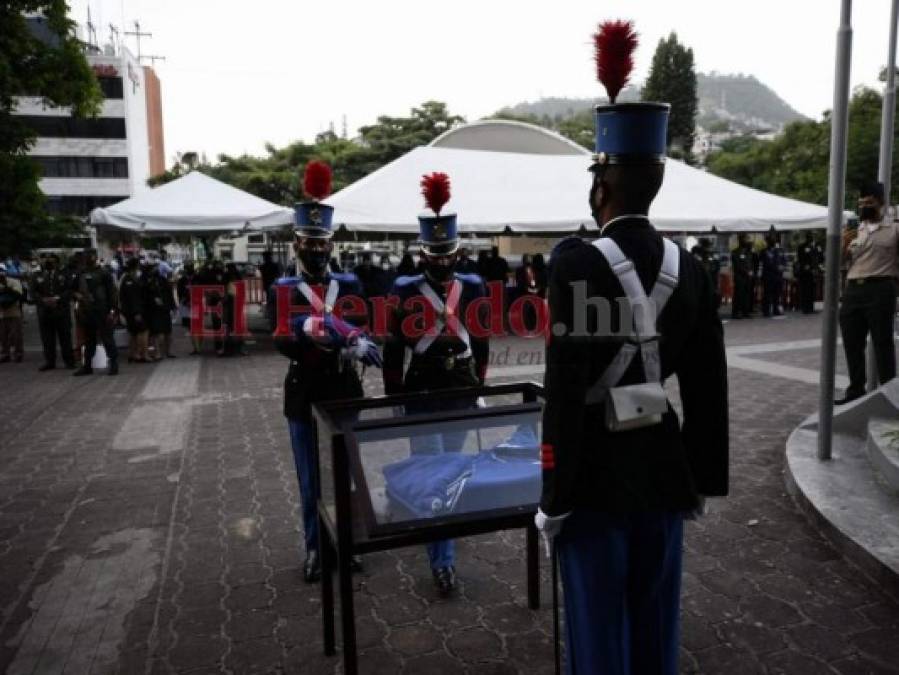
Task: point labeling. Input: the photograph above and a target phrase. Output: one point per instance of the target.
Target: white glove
(549, 527)
(363, 349)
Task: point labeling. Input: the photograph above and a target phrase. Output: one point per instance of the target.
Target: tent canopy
(542, 187)
(193, 204)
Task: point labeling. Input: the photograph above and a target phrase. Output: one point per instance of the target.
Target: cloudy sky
(241, 73)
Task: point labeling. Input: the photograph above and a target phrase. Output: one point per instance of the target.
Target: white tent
(530, 180)
(193, 204)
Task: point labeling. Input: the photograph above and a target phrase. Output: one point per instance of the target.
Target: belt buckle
(449, 362)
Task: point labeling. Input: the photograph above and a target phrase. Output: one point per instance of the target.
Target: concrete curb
(845, 497)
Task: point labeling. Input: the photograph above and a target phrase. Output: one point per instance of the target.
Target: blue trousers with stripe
(302, 441)
(621, 576)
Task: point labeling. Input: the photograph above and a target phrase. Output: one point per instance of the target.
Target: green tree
(672, 79)
(796, 163)
(49, 64)
(277, 175)
(579, 128)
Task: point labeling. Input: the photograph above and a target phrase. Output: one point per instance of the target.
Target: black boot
(312, 569)
(445, 580)
(113, 368)
(83, 370)
(847, 398)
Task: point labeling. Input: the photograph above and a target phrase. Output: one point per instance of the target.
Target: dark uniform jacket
(442, 365)
(809, 259)
(743, 263)
(131, 295)
(159, 301)
(774, 263)
(98, 292)
(316, 373)
(661, 467)
(49, 284)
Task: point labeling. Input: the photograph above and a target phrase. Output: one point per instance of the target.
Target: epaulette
(345, 277)
(474, 279)
(568, 243)
(410, 280)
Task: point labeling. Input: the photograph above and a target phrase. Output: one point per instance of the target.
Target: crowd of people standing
(80, 305)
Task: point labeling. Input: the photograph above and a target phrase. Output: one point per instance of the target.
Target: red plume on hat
(615, 42)
(436, 190)
(317, 180)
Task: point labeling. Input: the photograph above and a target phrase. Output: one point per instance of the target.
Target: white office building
(99, 161)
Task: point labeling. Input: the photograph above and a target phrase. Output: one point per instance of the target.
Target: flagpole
(836, 198)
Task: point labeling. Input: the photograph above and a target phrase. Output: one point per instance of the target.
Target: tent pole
(884, 172)
(835, 203)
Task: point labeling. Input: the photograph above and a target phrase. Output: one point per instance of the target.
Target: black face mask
(867, 213)
(315, 262)
(592, 196)
(439, 273)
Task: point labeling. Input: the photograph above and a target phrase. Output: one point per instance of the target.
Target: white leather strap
(644, 312)
(318, 306)
(447, 316)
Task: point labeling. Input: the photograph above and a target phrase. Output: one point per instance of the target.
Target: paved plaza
(148, 523)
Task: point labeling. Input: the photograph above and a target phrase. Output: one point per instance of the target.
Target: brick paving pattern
(148, 523)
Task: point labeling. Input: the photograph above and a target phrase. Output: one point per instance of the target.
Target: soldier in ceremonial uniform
(320, 342)
(446, 354)
(774, 262)
(51, 290)
(808, 268)
(742, 269)
(619, 470)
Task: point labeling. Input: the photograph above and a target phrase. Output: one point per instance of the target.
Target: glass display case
(415, 468)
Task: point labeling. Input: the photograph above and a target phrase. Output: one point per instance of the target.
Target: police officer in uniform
(321, 345)
(868, 305)
(51, 290)
(97, 312)
(619, 470)
(447, 355)
(705, 255)
(808, 268)
(774, 262)
(742, 265)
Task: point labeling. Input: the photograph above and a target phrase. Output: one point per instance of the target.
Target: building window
(111, 86)
(77, 206)
(83, 167)
(256, 239)
(71, 127)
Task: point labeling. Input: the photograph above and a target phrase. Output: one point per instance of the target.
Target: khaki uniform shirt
(875, 251)
(14, 310)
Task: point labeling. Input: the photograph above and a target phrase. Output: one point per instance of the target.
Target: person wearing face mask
(807, 269)
(97, 313)
(774, 262)
(620, 472)
(51, 290)
(465, 264)
(446, 355)
(322, 343)
(868, 304)
(742, 265)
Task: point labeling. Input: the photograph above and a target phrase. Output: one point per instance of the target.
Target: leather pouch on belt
(635, 406)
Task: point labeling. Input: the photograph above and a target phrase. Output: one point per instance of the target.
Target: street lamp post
(836, 197)
(884, 171)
